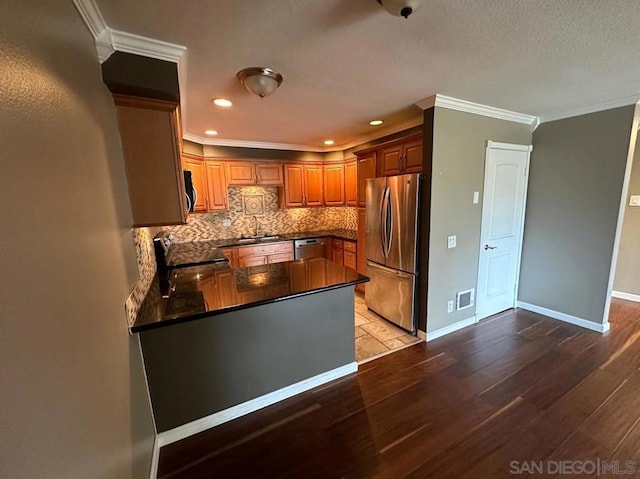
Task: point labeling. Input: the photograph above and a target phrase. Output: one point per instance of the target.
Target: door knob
(486, 247)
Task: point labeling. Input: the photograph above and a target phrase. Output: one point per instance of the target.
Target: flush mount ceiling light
(211, 132)
(223, 102)
(329, 142)
(400, 8)
(376, 122)
(259, 80)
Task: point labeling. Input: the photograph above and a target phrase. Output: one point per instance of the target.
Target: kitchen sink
(270, 238)
(247, 240)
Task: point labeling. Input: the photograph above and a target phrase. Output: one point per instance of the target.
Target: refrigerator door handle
(390, 222)
(383, 223)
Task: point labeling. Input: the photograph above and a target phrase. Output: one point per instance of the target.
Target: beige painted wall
(459, 147)
(627, 278)
(73, 398)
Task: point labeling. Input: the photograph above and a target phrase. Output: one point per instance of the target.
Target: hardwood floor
(515, 387)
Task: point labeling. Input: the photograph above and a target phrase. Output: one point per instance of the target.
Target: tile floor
(374, 335)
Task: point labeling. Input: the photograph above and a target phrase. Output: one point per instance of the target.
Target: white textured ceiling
(346, 62)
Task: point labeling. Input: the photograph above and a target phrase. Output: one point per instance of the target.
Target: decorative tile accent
(253, 204)
(206, 226)
(143, 241)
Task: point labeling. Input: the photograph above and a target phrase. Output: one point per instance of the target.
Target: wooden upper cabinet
(334, 185)
(254, 173)
(303, 186)
(196, 167)
(217, 187)
(401, 157)
(313, 185)
(351, 182)
(293, 186)
(241, 174)
(366, 169)
(269, 174)
(391, 160)
(412, 152)
(150, 138)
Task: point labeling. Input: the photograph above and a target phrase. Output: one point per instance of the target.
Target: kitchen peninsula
(227, 341)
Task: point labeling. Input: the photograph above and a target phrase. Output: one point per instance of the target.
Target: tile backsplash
(143, 242)
(206, 226)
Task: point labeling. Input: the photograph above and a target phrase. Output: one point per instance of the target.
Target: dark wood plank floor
(515, 387)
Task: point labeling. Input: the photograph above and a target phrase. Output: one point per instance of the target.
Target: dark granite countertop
(200, 252)
(214, 288)
(191, 254)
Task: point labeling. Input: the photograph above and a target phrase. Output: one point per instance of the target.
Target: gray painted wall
(575, 184)
(74, 401)
(459, 150)
(627, 279)
(205, 366)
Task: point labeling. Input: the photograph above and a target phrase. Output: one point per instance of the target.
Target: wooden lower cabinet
(361, 259)
(350, 260)
(252, 261)
(232, 254)
(338, 255)
(256, 255)
(344, 252)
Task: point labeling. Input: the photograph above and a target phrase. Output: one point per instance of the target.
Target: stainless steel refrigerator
(392, 248)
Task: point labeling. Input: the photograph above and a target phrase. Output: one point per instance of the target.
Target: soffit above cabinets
(347, 63)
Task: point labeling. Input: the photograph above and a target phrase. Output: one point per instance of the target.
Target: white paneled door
(505, 190)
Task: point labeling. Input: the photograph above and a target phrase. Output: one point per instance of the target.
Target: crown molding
(451, 103)
(91, 15)
(146, 47)
(109, 41)
(251, 144)
(608, 105)
(291, 146)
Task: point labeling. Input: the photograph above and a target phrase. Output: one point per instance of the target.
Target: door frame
(494, 145)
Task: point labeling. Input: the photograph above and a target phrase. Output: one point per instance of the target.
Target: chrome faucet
(257, 226)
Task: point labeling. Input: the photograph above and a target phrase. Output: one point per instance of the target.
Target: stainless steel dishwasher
(309, 248)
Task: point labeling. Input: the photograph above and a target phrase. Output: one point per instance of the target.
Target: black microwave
(190, 192)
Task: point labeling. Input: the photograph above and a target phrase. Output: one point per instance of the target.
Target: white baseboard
(452, 328)
(226, 415)
(155, 456)
(567, 318)
(627, 296)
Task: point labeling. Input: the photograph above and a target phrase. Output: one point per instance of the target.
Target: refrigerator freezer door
(390, 293)
(403, 210)
(376, 191)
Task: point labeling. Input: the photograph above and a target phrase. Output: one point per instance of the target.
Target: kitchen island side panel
(201, 367)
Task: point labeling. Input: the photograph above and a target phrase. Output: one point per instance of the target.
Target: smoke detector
(400, 8)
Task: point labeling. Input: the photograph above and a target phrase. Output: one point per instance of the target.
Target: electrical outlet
(451, 242)
(634, 200)
(450, 305)
(226, 222)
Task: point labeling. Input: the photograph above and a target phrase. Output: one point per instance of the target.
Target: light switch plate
(635, 200)
(476, 197)
(450, 305)
(226, 222)
(451, 241)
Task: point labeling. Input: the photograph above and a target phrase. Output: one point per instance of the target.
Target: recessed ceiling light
(223, 102)
(329, 142)
(210, 132)
(376, 122)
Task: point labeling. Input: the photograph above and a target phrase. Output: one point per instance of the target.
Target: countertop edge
(173, 321)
